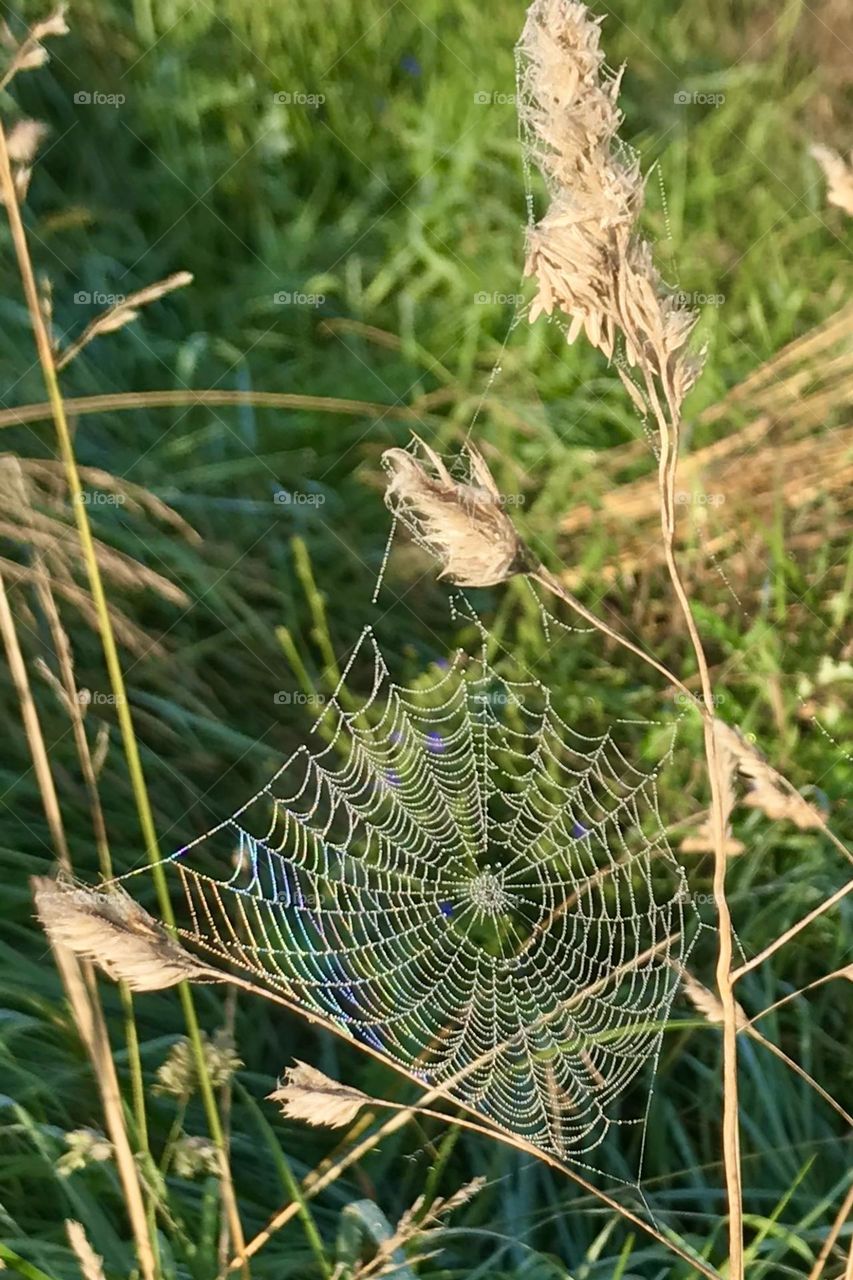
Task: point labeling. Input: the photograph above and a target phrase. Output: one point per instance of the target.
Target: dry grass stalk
(318, 1180)
(839, 176)
(307, 1094)
(69, 696)
(111, 656)
(711, 1008)
(32, 729)
(586, 254)
(841, 1220)
(845, 972)
(416, 1227)
(82, 995)
(785, 938)
(122, 313)
(113, 402)
(91, 1263)
(592, 264)
(112, 930)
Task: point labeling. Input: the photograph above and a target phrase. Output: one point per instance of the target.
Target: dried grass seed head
(839, 176)
(463, 525)
(85, 1147)
(307, 1094)
(586, 253)
(177, 1075)
(194, 1157)
(116, 933)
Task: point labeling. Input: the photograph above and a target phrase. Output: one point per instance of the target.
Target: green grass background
(400, 199)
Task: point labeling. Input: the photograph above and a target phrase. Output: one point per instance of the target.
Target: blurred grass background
(400, 201)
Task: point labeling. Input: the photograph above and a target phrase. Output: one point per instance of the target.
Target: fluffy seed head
(463, 525)
(586, 254)
(114, 931)
(306, 1094)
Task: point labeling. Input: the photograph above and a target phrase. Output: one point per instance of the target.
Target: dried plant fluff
(768, 790)
(463, 525)
(123, 313)
(839, 176)
(116, 933)
(586, 254)
(306, 1094)
(91, 1263)
(707, 1003)
(30, 54)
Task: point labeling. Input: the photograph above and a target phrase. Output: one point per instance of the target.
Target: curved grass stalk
(131, 747)
(118, 401)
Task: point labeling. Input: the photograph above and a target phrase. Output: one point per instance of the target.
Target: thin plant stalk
(81, 988)
(667, 471)
(547, 579)
(65, 659)
(841, 1219)
(131, 748)
(786, 937)
(78, 978)
(35, 741)
(291, 1184)
(801, 991)
(113, 402)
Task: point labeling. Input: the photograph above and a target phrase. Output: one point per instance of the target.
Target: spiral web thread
(459, 879)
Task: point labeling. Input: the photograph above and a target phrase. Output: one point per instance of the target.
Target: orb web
(455, 876)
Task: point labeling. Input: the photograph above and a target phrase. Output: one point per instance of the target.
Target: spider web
(455, 876)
